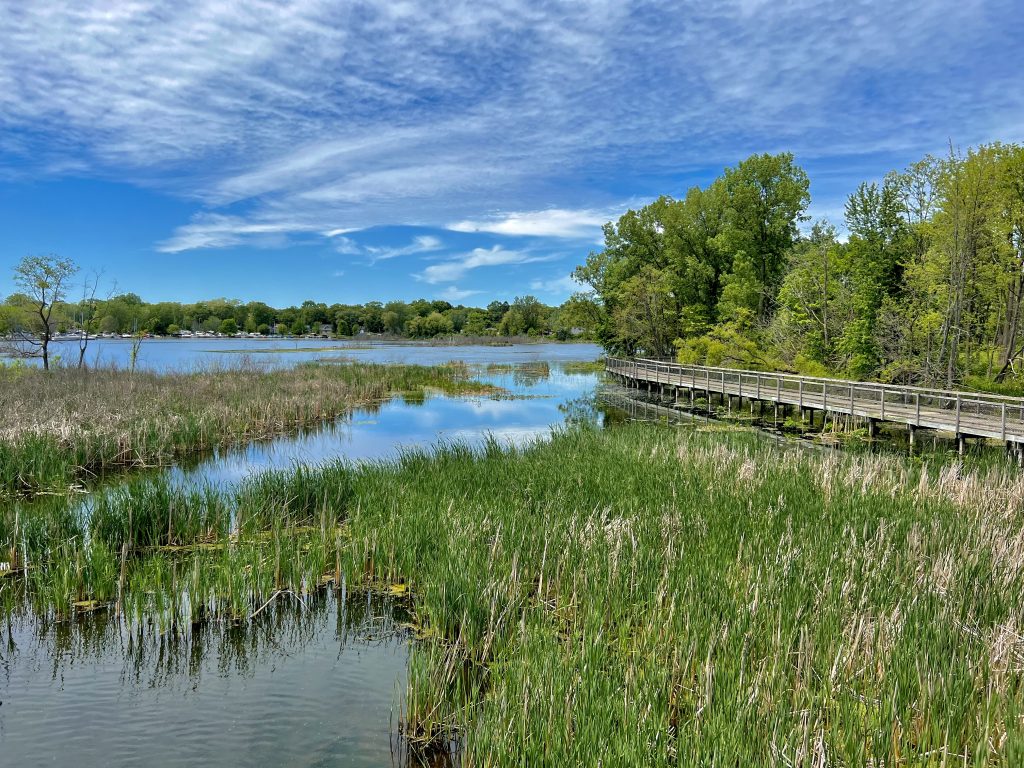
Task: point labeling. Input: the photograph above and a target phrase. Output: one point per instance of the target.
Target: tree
(876, 255)
(766, 196)
(646, 314)
(87, 316)
(229, 327)
(476, 323)
(44, 280)
(813, 311)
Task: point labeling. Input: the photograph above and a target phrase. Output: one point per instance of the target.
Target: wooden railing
(958, 412)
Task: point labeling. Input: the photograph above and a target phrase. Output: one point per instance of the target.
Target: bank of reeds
(635, 596)
(64, 426)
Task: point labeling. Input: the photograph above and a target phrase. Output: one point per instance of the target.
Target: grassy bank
(66, 425)
(642, 595)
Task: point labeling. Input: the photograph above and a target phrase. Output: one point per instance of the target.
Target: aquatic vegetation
(67, 425)
(580, 366)
(653, 595)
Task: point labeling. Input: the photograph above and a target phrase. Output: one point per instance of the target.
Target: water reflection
(539, 398)
(311, 684)
(319, 683)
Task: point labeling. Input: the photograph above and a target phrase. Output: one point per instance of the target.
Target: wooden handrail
(944, 394)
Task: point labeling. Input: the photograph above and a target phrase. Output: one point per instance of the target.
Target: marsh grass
(582, 366)
(641, 595)
(65, 426)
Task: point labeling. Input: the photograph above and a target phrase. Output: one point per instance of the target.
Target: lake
(188, 354)
(319, 683)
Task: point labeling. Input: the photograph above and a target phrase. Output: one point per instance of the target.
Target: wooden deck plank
(961, 413)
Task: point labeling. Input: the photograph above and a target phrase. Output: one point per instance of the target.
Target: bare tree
(86, 317)
(44, 280)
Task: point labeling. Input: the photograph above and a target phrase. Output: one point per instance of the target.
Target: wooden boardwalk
(963, 414)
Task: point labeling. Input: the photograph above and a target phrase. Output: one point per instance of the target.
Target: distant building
(326, 329)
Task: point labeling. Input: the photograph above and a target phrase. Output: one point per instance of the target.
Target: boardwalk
(963, 414)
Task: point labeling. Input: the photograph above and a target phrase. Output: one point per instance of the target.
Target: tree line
(925, 287)
(52, 300)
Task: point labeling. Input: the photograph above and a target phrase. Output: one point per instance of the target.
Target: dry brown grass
(61, 425)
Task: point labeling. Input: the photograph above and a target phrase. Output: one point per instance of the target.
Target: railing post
(957, 430)
(758, 385)
(1003, 424)
(917, 407)
(851, 399)
(883, 402)
(801, 399)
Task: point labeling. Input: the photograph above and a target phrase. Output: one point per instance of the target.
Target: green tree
(44, 280)
(766, 196)
(876, 255)
(229, 327)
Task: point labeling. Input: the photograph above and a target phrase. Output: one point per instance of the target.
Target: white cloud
(455, 269)
(219, 231)
(420, 244)
(313, 113)
(346, 246)
(553, 222)
(455, 295)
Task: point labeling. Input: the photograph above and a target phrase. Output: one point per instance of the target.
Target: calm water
(304, 687)
(187, 354)
(294, 687)
(542, 397)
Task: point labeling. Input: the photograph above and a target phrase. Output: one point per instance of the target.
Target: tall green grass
(636, 596)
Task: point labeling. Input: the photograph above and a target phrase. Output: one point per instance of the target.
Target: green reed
(641, 595)
(66, 426)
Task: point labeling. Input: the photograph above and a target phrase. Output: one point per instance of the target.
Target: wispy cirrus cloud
(455, 295)
(456, 268)
(552, 222)
(311, 117)
(419, 244)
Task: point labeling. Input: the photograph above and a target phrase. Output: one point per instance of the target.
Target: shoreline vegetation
(653, 595)
(127, 315)
(924, 284)
(64, 426)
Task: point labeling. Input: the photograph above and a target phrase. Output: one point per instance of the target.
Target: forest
(127, 313)
(922, 284)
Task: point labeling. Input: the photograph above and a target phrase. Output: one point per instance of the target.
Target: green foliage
(652, 596)
(928, 287)
(127, 314)
(671, 270)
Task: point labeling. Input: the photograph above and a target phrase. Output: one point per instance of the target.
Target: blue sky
(348, 151)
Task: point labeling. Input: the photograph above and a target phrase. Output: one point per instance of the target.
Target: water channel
(316, 684)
